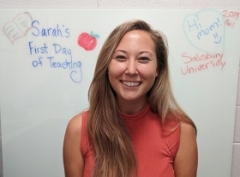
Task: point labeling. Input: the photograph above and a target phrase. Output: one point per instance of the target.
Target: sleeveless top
(155, 146)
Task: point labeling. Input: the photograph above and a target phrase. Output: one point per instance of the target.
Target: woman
(134, 127)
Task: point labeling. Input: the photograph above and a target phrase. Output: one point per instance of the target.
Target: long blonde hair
(114, 154)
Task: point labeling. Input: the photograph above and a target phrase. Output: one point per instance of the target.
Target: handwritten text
(200, 62)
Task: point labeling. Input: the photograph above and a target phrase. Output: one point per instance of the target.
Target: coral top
(154, 147)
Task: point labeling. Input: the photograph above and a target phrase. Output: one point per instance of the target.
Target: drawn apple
(87, 41)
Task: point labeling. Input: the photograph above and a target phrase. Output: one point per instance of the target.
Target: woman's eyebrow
(145, 52)
(119, 50)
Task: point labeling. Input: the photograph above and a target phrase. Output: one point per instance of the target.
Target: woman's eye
(143, 59)
(120, 57)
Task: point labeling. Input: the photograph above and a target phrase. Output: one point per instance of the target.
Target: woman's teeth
(131, 84)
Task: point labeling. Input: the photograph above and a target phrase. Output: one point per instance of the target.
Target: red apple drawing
(87, 41)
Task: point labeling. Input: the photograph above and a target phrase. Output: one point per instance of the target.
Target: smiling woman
(134, 127)
(133, 70)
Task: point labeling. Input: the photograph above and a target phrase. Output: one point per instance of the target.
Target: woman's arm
(72, 156)
(186, 160)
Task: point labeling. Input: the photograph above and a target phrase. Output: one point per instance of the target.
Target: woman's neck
(132, 107)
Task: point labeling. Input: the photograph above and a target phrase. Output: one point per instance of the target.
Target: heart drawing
(205, 30)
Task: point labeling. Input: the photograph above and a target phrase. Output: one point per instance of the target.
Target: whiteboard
(47, 59)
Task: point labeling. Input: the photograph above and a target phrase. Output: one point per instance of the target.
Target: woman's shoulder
(180, 121)
(75, 123)
(178, 129)
(188, 129)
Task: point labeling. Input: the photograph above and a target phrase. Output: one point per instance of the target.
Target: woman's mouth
(131, 84)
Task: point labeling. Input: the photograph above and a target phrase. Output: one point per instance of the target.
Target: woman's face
(133, 68)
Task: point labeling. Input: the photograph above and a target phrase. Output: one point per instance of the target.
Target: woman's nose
(131, 67)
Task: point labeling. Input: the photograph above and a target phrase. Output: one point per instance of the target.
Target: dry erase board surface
(47, 63)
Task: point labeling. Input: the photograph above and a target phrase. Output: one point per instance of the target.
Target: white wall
(139, 4)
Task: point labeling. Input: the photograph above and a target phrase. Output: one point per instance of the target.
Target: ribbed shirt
(155, 145)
